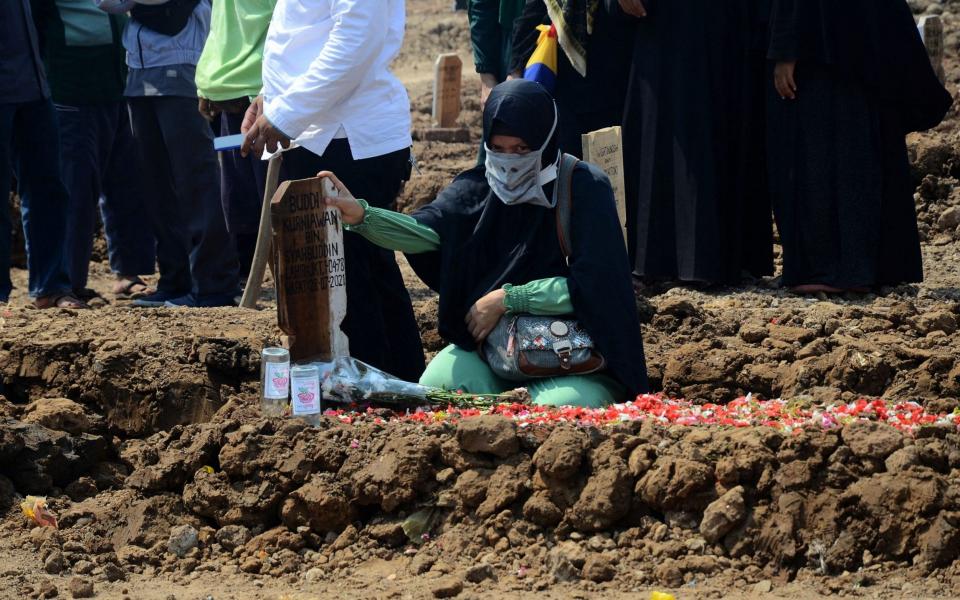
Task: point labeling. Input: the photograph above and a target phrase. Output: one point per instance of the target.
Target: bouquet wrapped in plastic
(347, 380)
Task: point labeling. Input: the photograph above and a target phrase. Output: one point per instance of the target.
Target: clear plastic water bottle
(274, 381)
(305, 393)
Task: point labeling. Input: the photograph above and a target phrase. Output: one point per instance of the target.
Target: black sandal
(62, 300)
(127, 292)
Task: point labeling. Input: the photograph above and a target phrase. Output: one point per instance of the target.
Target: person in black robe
(698, 209)
(590, 88)
(851, 79)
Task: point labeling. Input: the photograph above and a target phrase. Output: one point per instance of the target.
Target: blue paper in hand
(228, 142)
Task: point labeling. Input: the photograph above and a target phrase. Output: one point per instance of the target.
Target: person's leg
(241, 195)
(7, 112)
(161, 202)
(456, 369)
(43, 197)
(587, 391)
(80, 164)
(379, 183)
(130, 240)
(196, 176)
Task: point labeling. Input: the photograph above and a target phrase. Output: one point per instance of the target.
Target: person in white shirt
(327, 86)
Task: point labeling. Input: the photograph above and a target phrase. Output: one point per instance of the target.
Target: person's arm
(544, 297)
(485, 35)
(784, 46)
(116, 7)
(525, 34)
(485, 39)
(357, 38)
(395, 231)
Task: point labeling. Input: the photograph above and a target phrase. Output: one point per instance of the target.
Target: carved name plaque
(604, 148)
(310, 269)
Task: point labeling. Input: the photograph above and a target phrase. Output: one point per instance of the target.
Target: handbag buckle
(563, 350)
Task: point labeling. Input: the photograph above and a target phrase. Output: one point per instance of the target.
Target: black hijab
(873, 41)
(485, 244)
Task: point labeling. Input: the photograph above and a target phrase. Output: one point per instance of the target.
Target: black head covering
(485, 244)
(524, 109)
(873, 41)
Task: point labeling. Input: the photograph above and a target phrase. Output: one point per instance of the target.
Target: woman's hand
(634, 8)
(485, 314)
(784, 79)
(350, 210)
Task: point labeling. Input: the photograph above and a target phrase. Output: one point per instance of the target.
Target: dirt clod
(489, 434)
(872, 440)
(80, 588)
(447, 587)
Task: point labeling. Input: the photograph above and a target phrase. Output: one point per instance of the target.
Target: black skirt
(840, 183)
(694, 144)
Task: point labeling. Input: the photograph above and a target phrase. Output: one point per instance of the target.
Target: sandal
(62, 300)
(130, 289)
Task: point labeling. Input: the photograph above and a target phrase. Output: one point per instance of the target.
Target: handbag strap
(564, 194)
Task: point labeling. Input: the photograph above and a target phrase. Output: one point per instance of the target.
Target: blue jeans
(101, 164)
(182, 197)
(30, 148)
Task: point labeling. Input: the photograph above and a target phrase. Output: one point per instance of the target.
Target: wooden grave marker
(447, 84)
(604, 148)
(310, 269)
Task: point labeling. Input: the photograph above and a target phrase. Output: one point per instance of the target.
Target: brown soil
(141, 428)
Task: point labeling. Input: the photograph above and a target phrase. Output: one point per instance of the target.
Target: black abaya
(486, 244)
(693, 141)
(839, 174)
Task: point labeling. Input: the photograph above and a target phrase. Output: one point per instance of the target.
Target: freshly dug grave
(481, 503)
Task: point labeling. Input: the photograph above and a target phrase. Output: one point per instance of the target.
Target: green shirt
(230, 66)
(396, 231)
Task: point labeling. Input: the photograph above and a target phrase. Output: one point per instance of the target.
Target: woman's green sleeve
(395, 231)
(546, 297)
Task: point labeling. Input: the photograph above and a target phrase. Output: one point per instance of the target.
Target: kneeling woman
(490, 245)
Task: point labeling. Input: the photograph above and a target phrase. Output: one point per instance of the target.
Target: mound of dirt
(637, 504)
(141, 428)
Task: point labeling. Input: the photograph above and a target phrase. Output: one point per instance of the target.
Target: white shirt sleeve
(358, 36)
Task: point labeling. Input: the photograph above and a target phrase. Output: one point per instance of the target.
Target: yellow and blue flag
(542, 66)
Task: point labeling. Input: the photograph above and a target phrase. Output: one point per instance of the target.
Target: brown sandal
(133, 288)
(63, 300)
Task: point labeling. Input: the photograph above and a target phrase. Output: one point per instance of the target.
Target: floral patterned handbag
(525, 346)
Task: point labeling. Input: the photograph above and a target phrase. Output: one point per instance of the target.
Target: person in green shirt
(489, 246)
(228, 77)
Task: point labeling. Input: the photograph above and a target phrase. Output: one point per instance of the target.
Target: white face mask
(517, 178)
